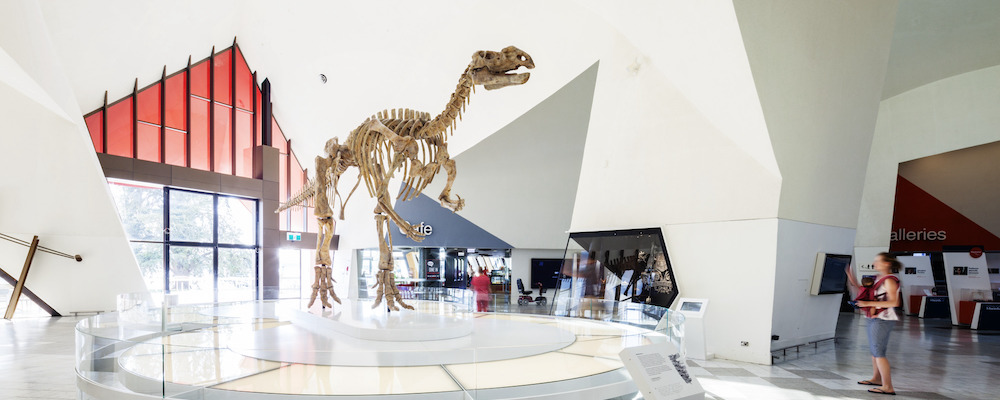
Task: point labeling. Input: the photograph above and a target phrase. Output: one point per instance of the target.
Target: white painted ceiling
(376, 54)
(936, 39)
(409, 54)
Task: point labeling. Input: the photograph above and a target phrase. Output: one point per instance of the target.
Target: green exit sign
(294, 236)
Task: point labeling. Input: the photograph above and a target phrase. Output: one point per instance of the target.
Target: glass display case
(609, 267)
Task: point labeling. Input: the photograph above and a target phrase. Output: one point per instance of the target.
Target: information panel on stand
(660, 372)
(968, 281)
(916, 279)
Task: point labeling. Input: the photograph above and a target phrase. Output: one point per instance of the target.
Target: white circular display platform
(428, 321)
(489, 339)
(268, 351)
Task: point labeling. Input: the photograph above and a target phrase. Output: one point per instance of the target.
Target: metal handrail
(25, 243)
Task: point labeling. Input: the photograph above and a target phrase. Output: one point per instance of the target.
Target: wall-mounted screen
(691, 306)
(546, 271)
(829, 276)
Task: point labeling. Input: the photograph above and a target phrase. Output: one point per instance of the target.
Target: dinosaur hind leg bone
(385, 281)
(323, 284)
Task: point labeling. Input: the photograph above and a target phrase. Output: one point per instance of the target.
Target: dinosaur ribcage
(377, 158)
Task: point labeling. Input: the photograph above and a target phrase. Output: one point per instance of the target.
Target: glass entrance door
(191, 275)
(203, 247)
(212, 246)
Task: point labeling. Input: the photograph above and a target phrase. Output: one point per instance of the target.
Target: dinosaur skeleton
(398, 140)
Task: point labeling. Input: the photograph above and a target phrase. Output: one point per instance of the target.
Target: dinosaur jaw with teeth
(491, 80)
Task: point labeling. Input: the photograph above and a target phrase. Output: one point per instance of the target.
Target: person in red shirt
(481, 285)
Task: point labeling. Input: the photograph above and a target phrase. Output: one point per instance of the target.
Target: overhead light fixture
(322, 77)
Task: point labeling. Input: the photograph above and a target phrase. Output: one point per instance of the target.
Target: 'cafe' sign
(424, 229)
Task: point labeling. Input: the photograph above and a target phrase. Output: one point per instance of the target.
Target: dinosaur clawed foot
(453, 205)
(411, 232)
(387, 290)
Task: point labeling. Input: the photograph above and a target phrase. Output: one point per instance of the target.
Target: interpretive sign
(660, 372)
(915, 278)
(967, 280)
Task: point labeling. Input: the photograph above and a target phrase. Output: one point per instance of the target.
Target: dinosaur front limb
(405, 227)
(445, 197)
(343, 202)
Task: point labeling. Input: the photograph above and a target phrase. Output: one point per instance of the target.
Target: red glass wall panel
(95, 124)
(223, 139)
(148, 104)
(244, 144)
(295, 175)
(311, 224)
(199, 134)
(190, 133)
(176, 106)
(283, 176)
(278, 138)
(297, 181)
(199, 79)
(297, 220)
(120, 128)
(244, 83)
(148, 145)
(176, 148)
(222, 72)
(283, 220)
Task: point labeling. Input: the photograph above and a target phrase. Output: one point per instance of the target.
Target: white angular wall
(819, 69)
(659, 155)
(51, 183)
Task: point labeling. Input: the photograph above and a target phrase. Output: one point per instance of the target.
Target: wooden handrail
(15, 296)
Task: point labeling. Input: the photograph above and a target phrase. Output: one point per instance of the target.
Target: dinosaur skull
(490, 68)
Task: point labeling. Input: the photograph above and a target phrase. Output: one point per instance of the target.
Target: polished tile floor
(930, 360)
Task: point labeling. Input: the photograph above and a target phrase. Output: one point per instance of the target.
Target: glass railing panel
(210, 350)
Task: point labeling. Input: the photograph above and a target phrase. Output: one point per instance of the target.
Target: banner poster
(660, 372)
(915, 277)
(993, 263)
(967, 279)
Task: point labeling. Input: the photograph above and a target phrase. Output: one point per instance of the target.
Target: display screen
(690, 306)
(546, 271)
(834, 278)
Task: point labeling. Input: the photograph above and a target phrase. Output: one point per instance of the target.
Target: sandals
(870, 383)
(880, 391)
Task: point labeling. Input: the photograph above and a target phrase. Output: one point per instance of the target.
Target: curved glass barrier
(441, 350)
